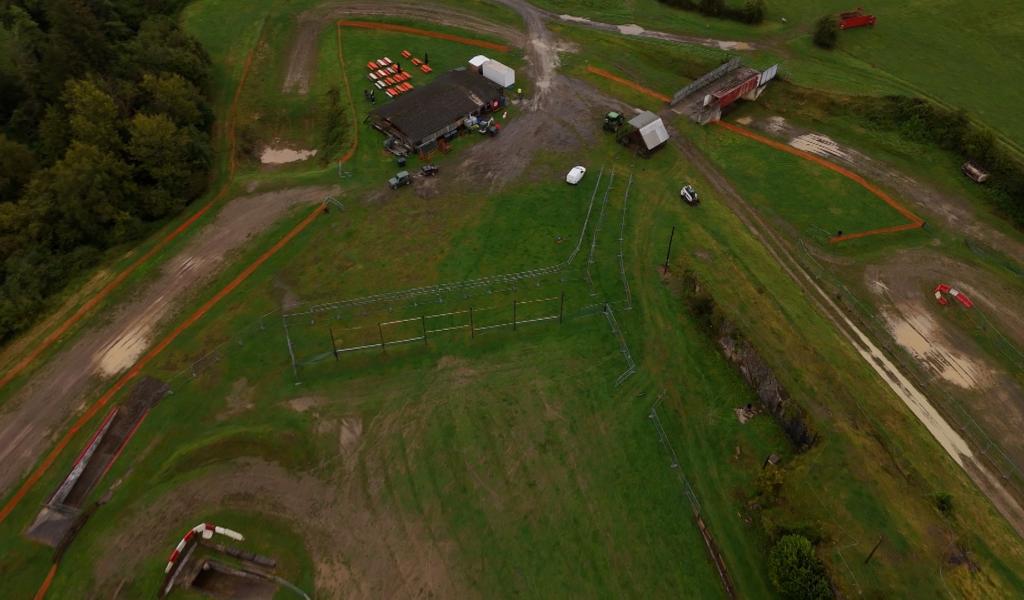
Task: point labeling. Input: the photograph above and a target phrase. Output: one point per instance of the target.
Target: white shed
(499, 73)
(477, 61)
(651, 128)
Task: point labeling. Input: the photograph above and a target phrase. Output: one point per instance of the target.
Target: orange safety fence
(41, 593)
(118, 279)
(631, 84)
(914, 222)
(425, 33)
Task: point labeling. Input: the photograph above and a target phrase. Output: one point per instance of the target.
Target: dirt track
(59, 389)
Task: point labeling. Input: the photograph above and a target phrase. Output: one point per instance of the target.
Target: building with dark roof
(416, 120)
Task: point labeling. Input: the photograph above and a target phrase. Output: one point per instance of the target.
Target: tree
(712, 8)
(796, 572)
(162, 46)
(93, 116)
(84, 199)
(160, 151)
(16, 165)
(172, 95)
(754, 11)
(826, 32)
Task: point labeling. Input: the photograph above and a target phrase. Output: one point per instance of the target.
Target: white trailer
(499, 73)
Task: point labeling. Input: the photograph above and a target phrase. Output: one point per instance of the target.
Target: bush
(754, 11)
(712, 8)
(795, 570)
(826, 32)
(944, 502)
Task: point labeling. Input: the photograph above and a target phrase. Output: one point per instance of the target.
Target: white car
(689, 195)
(575, 175)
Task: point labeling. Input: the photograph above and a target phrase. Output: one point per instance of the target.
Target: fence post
(423, 324)
(380, 330)
(334, 347)
(472, 332)
(561, 309)
(514, 302)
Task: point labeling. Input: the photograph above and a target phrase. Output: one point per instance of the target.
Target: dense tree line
(104, 130)
(751, 12)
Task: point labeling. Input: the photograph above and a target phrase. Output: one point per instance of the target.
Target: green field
(509, 463)
(815, 201)
(907, 52)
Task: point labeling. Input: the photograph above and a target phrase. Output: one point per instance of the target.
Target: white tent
(651, 129)
(499, 73)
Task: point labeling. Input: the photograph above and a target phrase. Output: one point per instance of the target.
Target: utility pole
(668, 253)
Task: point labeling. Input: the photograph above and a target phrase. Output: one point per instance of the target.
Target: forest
(104, 134)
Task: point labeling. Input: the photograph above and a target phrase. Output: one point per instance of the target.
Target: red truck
(856, 18)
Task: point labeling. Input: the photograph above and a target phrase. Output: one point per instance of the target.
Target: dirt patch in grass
(239, 400)
(940, 337)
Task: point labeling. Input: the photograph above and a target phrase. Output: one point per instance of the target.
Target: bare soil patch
(57, 390)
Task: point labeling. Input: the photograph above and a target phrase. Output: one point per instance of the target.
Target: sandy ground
(57, 390)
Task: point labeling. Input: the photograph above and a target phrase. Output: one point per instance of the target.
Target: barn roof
(452, 96)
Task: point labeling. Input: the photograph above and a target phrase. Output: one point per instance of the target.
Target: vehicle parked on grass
(429, 170)
(575, 174)
(401, 179)
(613, 121)
(689, 195)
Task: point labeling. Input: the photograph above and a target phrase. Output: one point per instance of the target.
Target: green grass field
(815, 201)
(509, 464)
(907, 52)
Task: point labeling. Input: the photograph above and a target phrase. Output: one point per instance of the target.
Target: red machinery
(960, 297)
(856, 18)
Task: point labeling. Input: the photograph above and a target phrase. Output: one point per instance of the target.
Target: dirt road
(59, 389)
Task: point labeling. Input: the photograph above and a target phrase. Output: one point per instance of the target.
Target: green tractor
(613, 121)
